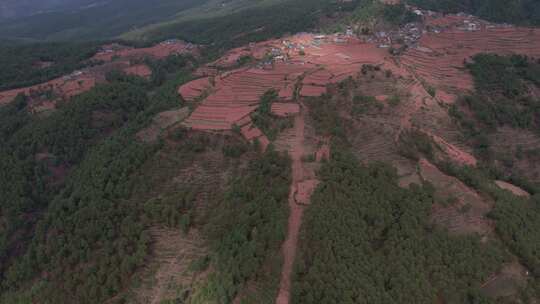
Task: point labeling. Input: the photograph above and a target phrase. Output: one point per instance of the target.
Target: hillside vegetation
(26, 65)
(504, 99)
(253, 22)
(365, 239)
(526, 12)
(58, 213)
(113, 197)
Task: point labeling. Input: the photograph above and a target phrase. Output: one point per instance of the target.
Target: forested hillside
(391, 159)
(510, 11)
(49, 183)
(504, 99)
(76, 220)
(26, 65)
(366, 240)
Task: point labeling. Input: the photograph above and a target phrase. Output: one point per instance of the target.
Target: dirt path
(296, 151)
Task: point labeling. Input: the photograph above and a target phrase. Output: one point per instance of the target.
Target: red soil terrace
(194, 89)
(65, 87)
(251, 133)
(306, 64)
(235, 94)
(439, 58)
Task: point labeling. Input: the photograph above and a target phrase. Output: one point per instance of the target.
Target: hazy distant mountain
(82, 19)
(38, 20)
(24, 8)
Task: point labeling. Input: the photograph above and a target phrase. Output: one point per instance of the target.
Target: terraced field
(439, 58)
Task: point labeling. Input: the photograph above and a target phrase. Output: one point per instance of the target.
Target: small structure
(472, 27)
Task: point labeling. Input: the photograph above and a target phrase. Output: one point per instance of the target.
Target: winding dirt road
(299, 176)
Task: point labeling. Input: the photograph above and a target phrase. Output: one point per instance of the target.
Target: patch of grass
(269, 124)
(365, 104)
(308, 158)
(394, 100)
(200, 264)
(415, 144)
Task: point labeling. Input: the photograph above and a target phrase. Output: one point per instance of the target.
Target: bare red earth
(284, 109)
(251, 133)
(512, 188)
(64, 87)
(236, 93)
(439, 59)
(304, 189)
(194, 89)
(456, 154)
(452, 216)
(296, 213)
(323, 153)
(302, 186)
(205, 72)
(312, 91)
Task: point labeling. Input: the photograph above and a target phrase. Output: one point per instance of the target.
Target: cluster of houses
(409, 34)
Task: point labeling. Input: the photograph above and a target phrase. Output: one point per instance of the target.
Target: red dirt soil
(381, 98)
(456, 154)
(323, 153)
(236, 93)
(312, 91)
(205, 72)
(283, 109)
(453, 217)
(438, 61)
(65, 87)
(304, 189)
(302, 186)
(512, 188)
(440, 57)
(251, 133)
(296, 213)
(194, 89)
